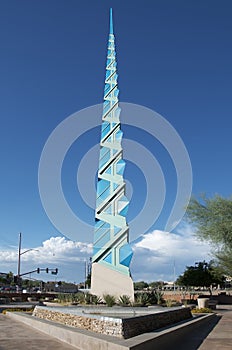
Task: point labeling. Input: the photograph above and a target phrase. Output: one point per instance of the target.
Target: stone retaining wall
(105, 326)
(116, 326)
(148, 323)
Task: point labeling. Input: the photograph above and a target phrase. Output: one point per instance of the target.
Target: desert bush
(110, 300)
(94, 299)
(124, 300)
(168, 302)
(203, 310)
(142, 299)
(159, 296)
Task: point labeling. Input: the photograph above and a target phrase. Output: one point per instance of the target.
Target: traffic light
(47, 269)
(38, 270)
(55, 272)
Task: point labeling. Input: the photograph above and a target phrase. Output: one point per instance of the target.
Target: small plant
(80, 298)
(62, 298)
(203, 310)
(142, 299)
(110, 300)
(159, 297)
(18, 310)
(124, 300)
(168, 302)
(94, 299)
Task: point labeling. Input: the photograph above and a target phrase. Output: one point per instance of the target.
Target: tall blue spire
(111, 22)
(111, 234)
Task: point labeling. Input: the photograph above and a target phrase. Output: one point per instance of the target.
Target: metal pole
(85, 271)
(174, 275)
(19, 253)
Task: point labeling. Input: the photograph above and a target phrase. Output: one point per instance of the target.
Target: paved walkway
(17, 336)
(221, 335)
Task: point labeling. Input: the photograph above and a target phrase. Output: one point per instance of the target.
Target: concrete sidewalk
(212, 334)
(17, 336)
(221, 335)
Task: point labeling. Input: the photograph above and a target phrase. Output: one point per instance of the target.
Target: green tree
(212, 219)
(156, 284)
(140, 285)
(203, 274)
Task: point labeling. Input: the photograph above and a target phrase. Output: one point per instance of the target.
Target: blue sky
(174, 57)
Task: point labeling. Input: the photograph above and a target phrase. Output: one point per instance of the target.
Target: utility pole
(19, 253)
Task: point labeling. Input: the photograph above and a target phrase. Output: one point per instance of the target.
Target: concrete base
(107, 281)
(165, 339)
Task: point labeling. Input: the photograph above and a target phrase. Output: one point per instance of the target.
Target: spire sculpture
(111, 251)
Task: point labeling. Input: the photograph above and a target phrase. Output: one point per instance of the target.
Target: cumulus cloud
(158, 255)
(57, 252)
(161, 255)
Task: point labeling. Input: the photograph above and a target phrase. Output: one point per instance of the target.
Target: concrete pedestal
(203, 302)
(108, 281)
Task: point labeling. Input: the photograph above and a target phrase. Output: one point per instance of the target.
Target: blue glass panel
(106, 106)
(95, 250)
(118, 135)
(105, 129)
(98, 223)
(102, 186)
(109, 210)
(108, 171)
(108, 72)
(120, 167)
(116, 230)
(104, 156)
(104, 240)
(103, 151)
(125, 254)
(101, 224)
(124, 211)
(103, 196)
(100, 232)
(108, 258)
(126, 261)
(107, 88)
(115, 186)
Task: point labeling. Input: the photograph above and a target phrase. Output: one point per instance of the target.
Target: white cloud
(161, 255)
(156, 256)
(68, 256)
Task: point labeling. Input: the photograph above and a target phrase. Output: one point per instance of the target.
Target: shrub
(142, 299)
(203, 310)
(159, 297)
(110, 300)
(168, 302)
(94, 299)
(18, 310)
(124, 300)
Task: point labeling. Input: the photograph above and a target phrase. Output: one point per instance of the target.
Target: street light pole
(21, 253)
